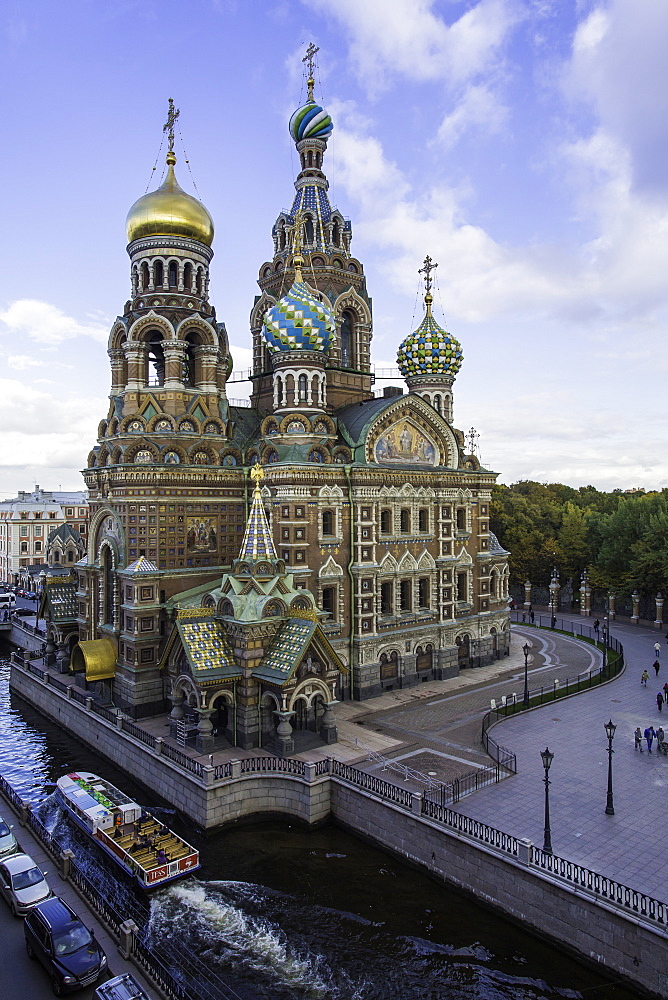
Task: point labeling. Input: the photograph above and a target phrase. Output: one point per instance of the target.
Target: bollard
(128, 929)
(119, 719)
(89, 704)
(236, 768)
(208, 774)
(159, 743)
(310, 772)
(65, 858)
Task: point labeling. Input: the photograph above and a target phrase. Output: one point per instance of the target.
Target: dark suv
(65, 947)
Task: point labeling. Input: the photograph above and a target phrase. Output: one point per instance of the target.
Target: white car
(8, 844)
(22, 883)
(124, 987)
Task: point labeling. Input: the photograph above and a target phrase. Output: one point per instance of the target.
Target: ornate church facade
(378, 517)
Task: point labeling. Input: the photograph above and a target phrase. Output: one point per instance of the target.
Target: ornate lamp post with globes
(525, 649)
(610, 733)
(547, 759)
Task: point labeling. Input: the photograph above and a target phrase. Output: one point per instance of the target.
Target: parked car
(24, 612)
(57, 938)
(8, 844)
(123, 987)
(22, 884)
(30, 595)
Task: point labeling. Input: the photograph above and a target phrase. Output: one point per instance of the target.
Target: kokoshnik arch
(377, 567)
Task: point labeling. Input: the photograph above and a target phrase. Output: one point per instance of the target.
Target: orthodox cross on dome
(168, 127)
(309, 58)
(472, 439)
(426, 270)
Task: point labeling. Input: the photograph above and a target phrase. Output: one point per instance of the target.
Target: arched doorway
(463, 650)
(221, 718)
(300, 719)
(424, 658)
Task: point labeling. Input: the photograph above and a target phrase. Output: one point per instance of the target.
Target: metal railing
(472, 828)
(371, 783)
(274, 765)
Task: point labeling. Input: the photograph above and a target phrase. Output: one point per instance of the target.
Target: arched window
(310, 158)
(437, 403)
(108, 577)
(189, 359)
(386, 522)
(145, 281)
(347, 326)
(156, 357)
(188, 277)
(461, 519)
(308, 230)
(329, 600)
(281, 237)
(198, 281)
(423, 592)
(158, 272)
(336, 234)
(423, 520)
(56, 556)
(173, 274)
(405, 521)
(70, 556)
(406, 595)
(386, 599)
(462, 587)
(303, 386)
(492, 584)
(328, 522)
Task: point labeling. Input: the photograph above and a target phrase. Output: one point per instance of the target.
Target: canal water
(281, 912)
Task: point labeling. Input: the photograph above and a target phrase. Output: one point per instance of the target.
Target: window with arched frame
(405, 521)
(108, 584)
(156, 359)
(386, 522)
(145, 279)
(347, 332)
(336, 234)
(188, 277)
(173, 274)
(158, 273)
(423, 520)
(303, 388)
(386, 599)
(308, 230)
(190, 377)
(328, 522)
(406, 595)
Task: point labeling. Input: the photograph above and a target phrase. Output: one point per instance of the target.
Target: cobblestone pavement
(441, 736)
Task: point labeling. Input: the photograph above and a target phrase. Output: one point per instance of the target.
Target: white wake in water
(200, 917)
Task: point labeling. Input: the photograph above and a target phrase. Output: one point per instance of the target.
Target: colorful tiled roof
(60, 598)
(206, 646)
(287, 650)
(299, 322)
(142, 565)
(257, 542)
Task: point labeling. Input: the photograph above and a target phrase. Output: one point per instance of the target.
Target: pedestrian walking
(532, 616)
(665, 691)
(597, 626)
(657, 649)
(649, 736)
(637, 736)
(554, 621)
(644, 677)
(659, 738)
(656, 666)
(659, 700)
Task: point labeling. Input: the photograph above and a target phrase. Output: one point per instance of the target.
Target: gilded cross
(309, 58)
(168, 127)
(426, 270)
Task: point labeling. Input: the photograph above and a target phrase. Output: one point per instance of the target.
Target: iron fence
(371, 783)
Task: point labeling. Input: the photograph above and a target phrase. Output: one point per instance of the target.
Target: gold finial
(429, 266)
(309, 58)
(257, 474)
(168, 127)
(297, 234)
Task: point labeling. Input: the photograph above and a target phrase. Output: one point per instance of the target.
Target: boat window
(4, 829)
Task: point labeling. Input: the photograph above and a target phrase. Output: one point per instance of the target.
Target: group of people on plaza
(650, 734)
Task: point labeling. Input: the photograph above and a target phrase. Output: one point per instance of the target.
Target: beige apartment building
(26, 523)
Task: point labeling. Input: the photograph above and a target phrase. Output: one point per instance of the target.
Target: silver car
(8, 843)
(22, 883)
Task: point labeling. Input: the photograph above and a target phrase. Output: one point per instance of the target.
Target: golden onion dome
(169, 211)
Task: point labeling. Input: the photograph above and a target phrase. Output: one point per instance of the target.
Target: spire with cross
(309, 58)
(172, 114)
(426, 270)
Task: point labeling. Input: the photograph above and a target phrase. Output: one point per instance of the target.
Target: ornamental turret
(430, 357)
(331, 276)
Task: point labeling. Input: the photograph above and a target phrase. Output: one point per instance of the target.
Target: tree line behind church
(620, 538)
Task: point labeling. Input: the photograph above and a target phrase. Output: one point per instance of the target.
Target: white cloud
(22, 361)
(478, 108)
(406, 38)
(45, 323)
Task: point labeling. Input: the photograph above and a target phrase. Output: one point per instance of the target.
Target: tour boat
(135, 839)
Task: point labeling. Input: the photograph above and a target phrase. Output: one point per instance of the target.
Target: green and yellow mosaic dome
(430, 350)
(298, 322)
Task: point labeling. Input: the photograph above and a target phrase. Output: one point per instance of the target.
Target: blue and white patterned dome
(430, 350)
(298, 322)
(310, 122)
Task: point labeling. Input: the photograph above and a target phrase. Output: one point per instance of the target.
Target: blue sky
(521, 143)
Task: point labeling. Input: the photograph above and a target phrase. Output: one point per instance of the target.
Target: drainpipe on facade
(346, 469)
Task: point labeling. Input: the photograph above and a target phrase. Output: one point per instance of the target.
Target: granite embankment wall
(591, 916)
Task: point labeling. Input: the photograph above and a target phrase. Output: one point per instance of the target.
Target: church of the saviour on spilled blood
(255, 565)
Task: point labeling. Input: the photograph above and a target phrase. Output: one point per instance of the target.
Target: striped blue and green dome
(310, 122)
(430, 350)
(298, 322)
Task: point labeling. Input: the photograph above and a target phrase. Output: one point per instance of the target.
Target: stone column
(658, 622)
(177, 711)
(136, 370)
(204, 739)
(207, 357)
(635, 597)
(527, 594)
(174, 354)
(285, 743)
(611, 606)
(585, 596)
(328, 728)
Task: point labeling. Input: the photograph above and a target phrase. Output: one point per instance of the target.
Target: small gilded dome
(169, 211)
(310, 122)
(298, 322)
(431, 350)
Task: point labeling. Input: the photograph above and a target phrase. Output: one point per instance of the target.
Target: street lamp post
(604, 636)
(547, 758)
(525, 648)
(610, 733)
